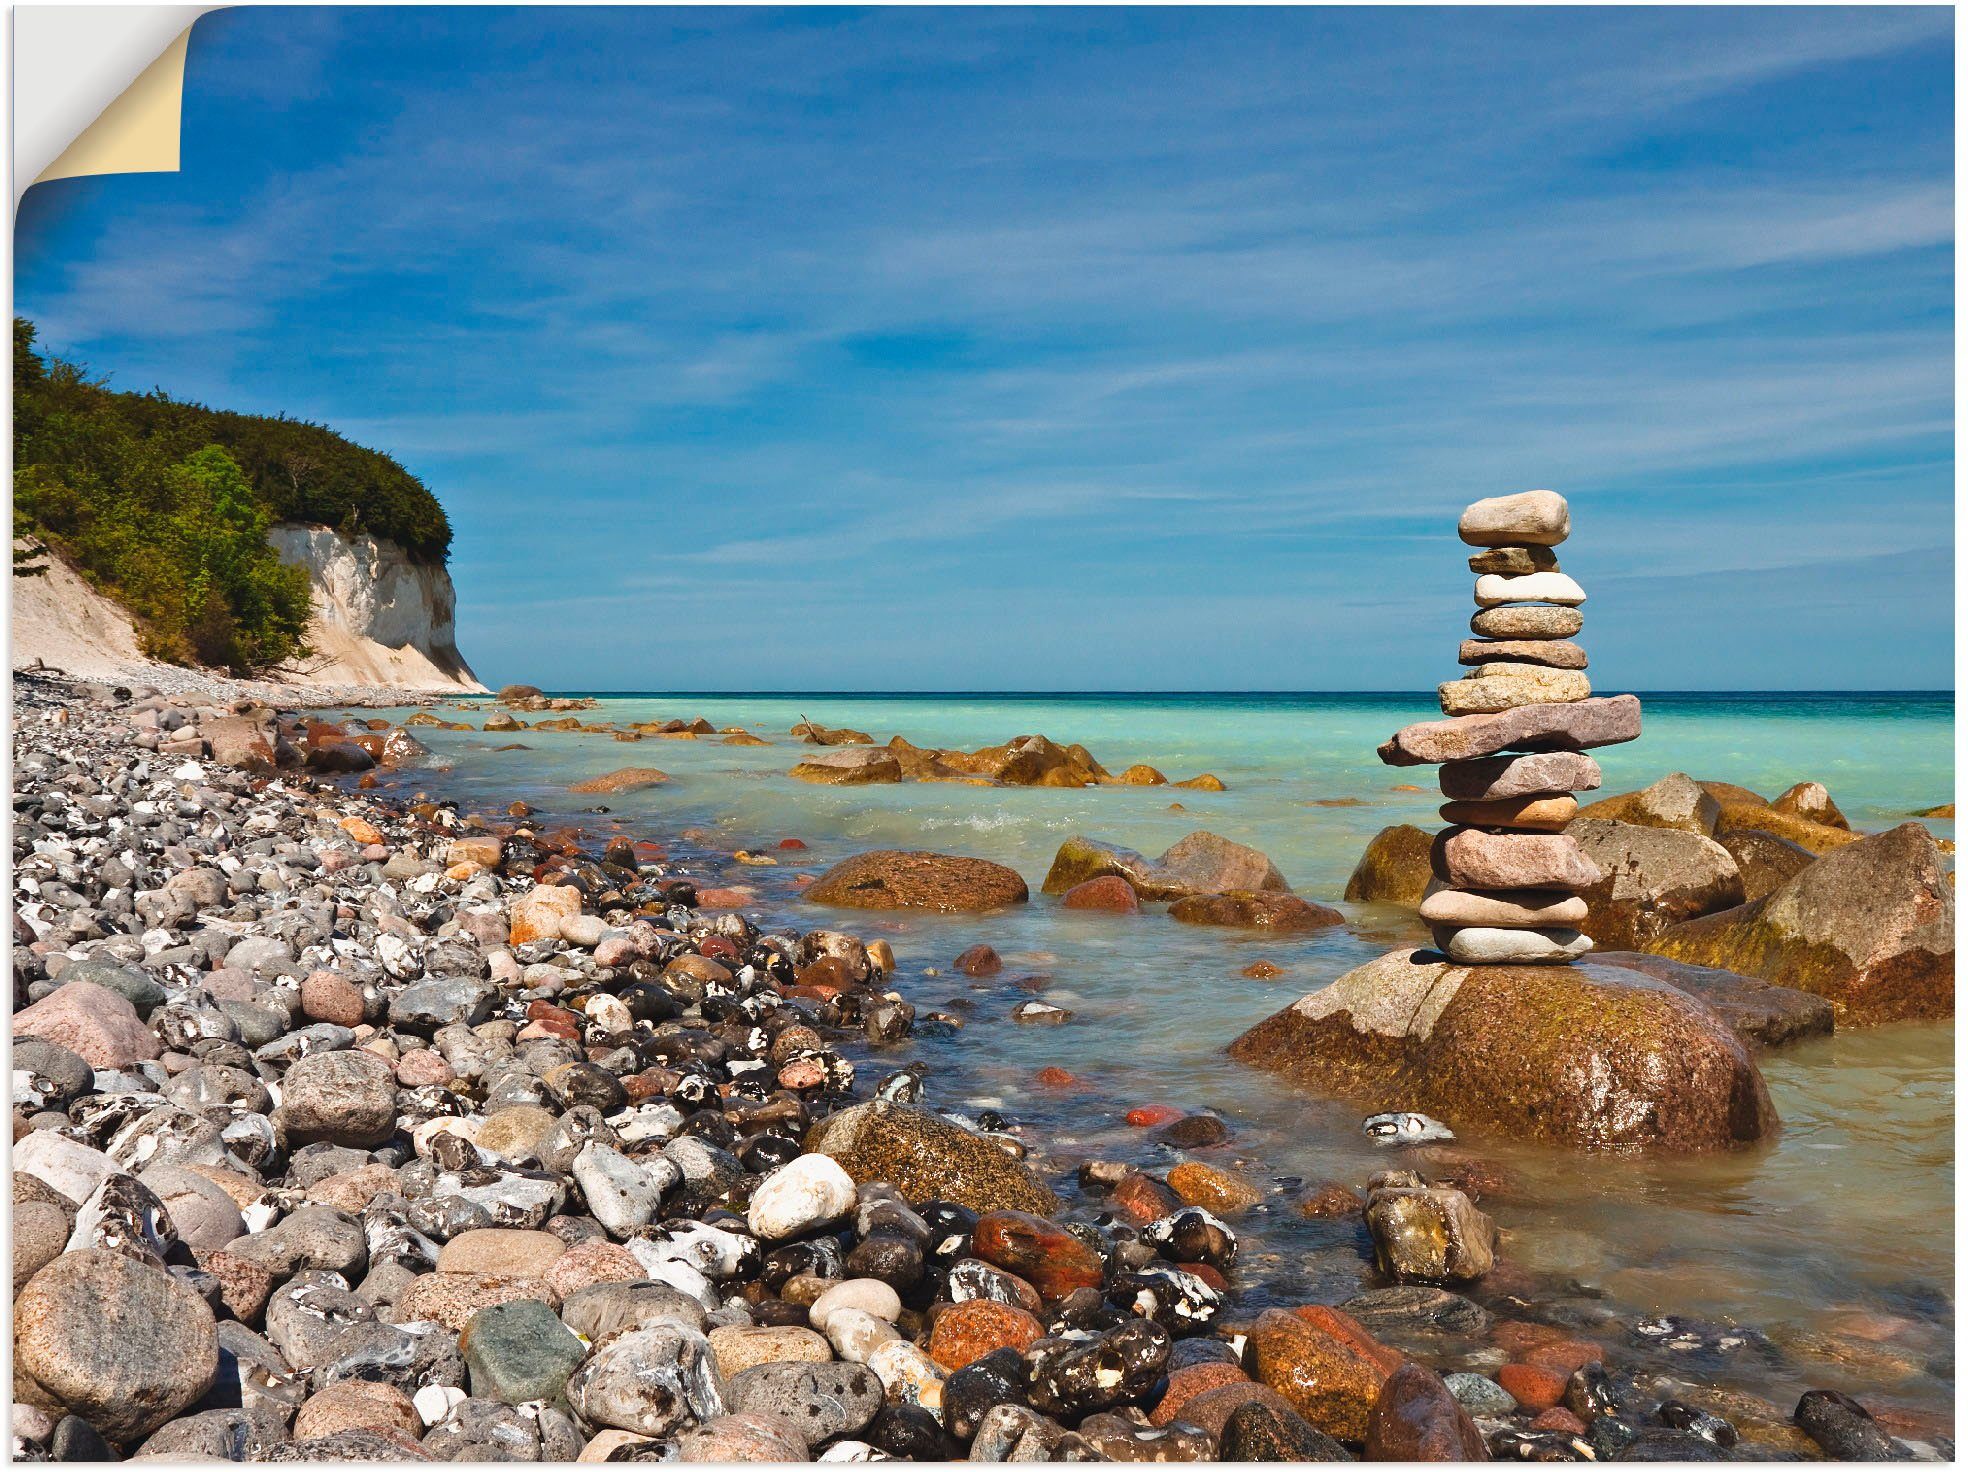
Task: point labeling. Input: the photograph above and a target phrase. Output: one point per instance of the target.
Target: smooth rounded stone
(423, 1007)
(1510, 778)
(1844, 1428)
(650, 1380)
(1557, 654)
(47, 1075)
(1015, 1433)
(999, 1378)
(1511, 909)
(451, 1299)
(623, 1194)
(1395, 869)
(804, 1194)
(358, 1405)
(743, 1436)
(1430, 1234)
(415, 1357)
(1258, 1431)
(1575, 1055)
(1072, 1377)
(1514, 560)
(1526, 519)
(1557, 588)
(890, 879)
(348, 1098)
(1482, 945)
(1869, 927)
(1043, 1253)
(203, 1215)
(1325, 1366)
(1417, 1419)
(1573, 726)
(1469, 858)
(1501, 687)
(518, 1352)
(1254, 910)
(40, 1235)
(740, 1347)
(869, 1295)
(823, 1400)
(501, 1251)
(1543, 814)
(968, 1331)
(96, 1024)
(856, 1335)
(516, 1133)
(311, 1237)
(1651, 879)
(928, 1158)
(125, 1346)
(1116, 1438)
(1531, 621)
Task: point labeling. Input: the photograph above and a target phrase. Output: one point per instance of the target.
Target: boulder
(891, 879)
(928, 1158)
(1764, 860)
(1574, 726)
(1395, 869)
(1253, 909)
(1109, 893)
(1579, 1055)
(1676, 801)
(1081, 859)
(1763, 1015)
(1870, 927)
(1204, 863)
(1760, 817)
(1810, 801)
(849, 767)
(1651, 878)
(96, 1024)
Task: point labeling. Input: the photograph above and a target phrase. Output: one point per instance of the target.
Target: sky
(1079, 349)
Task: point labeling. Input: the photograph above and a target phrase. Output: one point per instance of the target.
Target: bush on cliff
(166, 505)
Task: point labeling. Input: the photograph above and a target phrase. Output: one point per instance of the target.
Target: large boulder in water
(928, 1158)
(1574, 1055)
(1396, 867)
(1870, 927)
(1764, 860)
(1254, 909)
(1202, 863)
(1651, 878)
(1763, 1015)
(891, 879)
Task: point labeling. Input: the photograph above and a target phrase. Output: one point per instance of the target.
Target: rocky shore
(351, 1126)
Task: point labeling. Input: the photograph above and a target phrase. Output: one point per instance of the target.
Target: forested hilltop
(165, 506)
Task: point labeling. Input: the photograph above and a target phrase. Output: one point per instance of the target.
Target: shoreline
(399, 833)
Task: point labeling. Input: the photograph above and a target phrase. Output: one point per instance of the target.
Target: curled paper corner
(98, 89)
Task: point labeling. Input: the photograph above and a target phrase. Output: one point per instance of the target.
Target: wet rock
(1255, 910)
(1416, 1419)
(852, 767)
(1327, 1368)
(1845, 1429)
(1479, 1394)
(1109, 893)
(890, 879)
(1414, 1308)
(927, 1158)
(1427, 1233)
(1761, 1014)
(1082, 860)
(1047, 1256)
(622, 781)
(980, 960)
(967, 1332)
(123, 1345)
(1413, 1030)
(1869, 927)
(1117, 1438)
(1395, 869)
(1258, 1431)
(1075, 1377)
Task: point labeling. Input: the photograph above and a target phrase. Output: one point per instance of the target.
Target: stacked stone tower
(1508, 879)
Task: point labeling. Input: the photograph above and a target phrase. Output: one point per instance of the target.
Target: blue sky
(1080, 349)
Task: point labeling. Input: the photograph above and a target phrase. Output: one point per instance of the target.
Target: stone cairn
(1508, 880)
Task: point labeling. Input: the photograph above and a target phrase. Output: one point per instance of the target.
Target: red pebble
(1207, 1273)
(715, 946)
(1559, 1419)
(1150, 1115)
(1565, 1356)
(1533, 1388)
(1057, 1078)
(792, 843)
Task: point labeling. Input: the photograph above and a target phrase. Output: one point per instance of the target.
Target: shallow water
(1835, 1242)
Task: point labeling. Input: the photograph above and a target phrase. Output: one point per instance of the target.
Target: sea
(1823, 1259)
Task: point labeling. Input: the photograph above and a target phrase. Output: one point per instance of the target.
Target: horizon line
(602, 691)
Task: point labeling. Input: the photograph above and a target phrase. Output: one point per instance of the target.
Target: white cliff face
(379, 618)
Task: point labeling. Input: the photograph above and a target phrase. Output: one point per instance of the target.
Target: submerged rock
(1575, 1055)
(891, 879)
(1396, 868)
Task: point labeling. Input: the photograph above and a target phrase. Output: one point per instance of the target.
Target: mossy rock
(928, 1158)
(891, 879)
(1395, 869)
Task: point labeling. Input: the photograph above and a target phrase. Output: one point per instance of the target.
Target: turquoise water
(1836, 1241)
